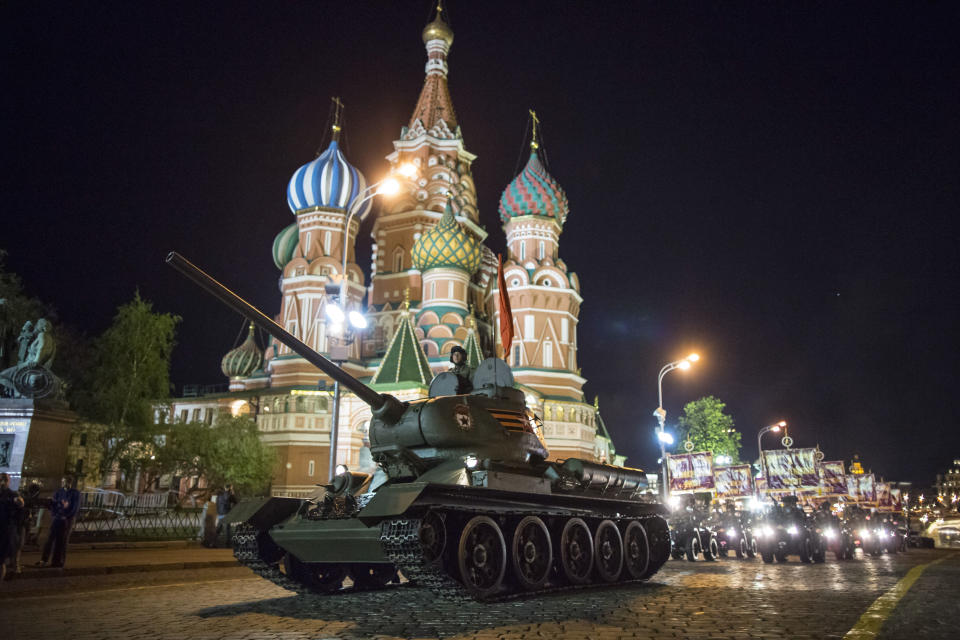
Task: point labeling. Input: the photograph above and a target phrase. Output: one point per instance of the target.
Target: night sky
(771, 184)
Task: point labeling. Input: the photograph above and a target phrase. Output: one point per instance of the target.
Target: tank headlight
(864, 533)
(830, 533)
(340, 469)
(792, 530)
(471, 462)
(766, 531)
(732, 534)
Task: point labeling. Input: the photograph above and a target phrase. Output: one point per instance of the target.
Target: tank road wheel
(636, 552)
(433, 536)
(693, 548)
(532, 553)
(658, 537)
(576, 551)
(712, 550)
(482, 557)
(371, 575)
(608, 549)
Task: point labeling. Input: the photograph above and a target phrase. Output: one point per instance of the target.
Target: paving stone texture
(726, 599)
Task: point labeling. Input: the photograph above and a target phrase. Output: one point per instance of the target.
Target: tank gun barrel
(377, 401)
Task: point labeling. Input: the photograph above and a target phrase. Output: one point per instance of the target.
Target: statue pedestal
(34, 435)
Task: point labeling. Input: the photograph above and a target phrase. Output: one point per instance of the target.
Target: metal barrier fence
(111, 515)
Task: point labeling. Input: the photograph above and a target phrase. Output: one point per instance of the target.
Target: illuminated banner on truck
(791, 469)
(690, 472)
(733, 482)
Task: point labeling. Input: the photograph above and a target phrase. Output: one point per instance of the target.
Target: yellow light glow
(693, 357)
(407, 170)
(776, 428)
(389, 187)
(684, 364)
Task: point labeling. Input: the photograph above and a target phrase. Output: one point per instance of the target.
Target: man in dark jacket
(64, 507)
(11, 509)
(225, 501)
(458, 360)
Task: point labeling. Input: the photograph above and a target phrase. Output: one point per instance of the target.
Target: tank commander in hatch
(458, 360)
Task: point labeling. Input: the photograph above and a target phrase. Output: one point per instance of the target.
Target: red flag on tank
(506, 315)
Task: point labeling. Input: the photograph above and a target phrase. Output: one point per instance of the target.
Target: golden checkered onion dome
(447, 245)
(244, 360)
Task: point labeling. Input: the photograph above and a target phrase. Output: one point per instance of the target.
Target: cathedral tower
(432, 141)
(310, 255)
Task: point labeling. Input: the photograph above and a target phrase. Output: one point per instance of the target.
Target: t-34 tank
(464, 499)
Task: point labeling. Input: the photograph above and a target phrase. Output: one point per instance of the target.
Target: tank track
(246, 549)
(400, 540)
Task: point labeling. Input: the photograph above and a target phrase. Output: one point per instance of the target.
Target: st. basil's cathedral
(433, 286)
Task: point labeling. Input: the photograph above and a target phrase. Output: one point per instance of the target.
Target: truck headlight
(792, 530)
(471, 462)
(864, 534)
(732, 534)
(830, 534)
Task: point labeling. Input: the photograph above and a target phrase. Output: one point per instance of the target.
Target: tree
(129, 376)
(227, 452)
(710, 429)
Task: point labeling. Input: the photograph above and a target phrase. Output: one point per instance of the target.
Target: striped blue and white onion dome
(329, 181)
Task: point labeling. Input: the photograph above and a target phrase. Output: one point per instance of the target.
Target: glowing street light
(661, 413)
(338, 313)
(665, 437)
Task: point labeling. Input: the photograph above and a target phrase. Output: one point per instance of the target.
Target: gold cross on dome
(406, 299)
(337, 113)
(534, 145)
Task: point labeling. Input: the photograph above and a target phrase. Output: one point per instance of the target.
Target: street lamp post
(763, 466)
(661, 414)
(339, 314)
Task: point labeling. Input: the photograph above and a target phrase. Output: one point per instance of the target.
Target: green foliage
(228, 452)
(128, 375)
(710, 429)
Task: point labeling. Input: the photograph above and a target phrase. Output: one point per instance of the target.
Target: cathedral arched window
(306, 247)
(548, 353)
(541, 250)
(516, 356)
(398, 259)
(433, 290)
(523, 251)
(327, 240)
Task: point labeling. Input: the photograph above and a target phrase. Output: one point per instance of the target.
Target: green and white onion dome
(447, 245)
(244, 360)
(285, 244)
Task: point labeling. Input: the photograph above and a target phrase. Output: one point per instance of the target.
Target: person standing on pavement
(225, 501)
(11, 510)
(64, 507)
(31, 500)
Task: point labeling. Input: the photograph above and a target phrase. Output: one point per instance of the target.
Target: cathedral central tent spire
(434, 103)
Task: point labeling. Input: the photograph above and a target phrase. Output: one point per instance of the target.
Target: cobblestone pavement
(726, 599)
